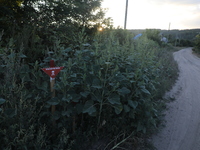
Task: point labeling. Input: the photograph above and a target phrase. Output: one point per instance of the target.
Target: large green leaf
(10, 112)
(56, 115)
(43, 86)
(126, 108)
(74, 75)
(22, 56)
(68, 98)
(144, 90)
(79, 108)
(85, 93)
(53, 101)
(141, 127)
(73, 96)
(69, 49)
(123, 91)
(11, 56)
(120, 77)
(131, 75)
(76, 97)
(132, 114)
(118, 109)
(89, 107)
(96, 96)
(133, 104)
(2, 101)
(114, 99)
(96, 84)
(25, 76)
(68, 112)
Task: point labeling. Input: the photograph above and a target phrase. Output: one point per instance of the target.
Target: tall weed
(107, 87)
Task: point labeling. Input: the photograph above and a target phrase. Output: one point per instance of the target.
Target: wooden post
(52, 83)
(52, 72)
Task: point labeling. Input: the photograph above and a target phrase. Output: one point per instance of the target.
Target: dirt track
(182, 131)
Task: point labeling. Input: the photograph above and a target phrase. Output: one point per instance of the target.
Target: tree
(9, 13)
(153, 34)
(49, 20)
(51, 13)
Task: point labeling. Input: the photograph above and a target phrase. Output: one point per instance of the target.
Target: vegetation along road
(182, 131)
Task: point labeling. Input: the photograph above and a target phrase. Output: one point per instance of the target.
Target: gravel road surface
(182, 131)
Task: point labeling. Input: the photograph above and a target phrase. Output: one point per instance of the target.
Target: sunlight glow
(144, 14)
(100, 29)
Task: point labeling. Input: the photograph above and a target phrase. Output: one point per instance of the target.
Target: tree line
(42, 22)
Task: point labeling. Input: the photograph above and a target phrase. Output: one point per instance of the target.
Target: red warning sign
(52, 71)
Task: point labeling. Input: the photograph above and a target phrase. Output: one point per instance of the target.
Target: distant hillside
(188, 34)
(176, 37)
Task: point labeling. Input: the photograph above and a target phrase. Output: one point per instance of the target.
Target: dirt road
(182, 131)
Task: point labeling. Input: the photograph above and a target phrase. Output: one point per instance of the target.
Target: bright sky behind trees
(142, 14)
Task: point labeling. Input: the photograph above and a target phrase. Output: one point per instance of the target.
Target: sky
(157, 14)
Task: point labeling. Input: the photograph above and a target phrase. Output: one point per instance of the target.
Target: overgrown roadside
(110, 89)
(147, 142)
(182, 117)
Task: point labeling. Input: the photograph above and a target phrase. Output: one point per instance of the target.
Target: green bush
(107, 88)
(153, 34)
(197, 43)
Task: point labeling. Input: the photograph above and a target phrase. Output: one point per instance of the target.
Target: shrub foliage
(110, 86)
(197, 43)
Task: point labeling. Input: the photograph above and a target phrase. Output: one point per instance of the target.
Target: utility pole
(126, 14)
(169, 26)
(169, 31)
